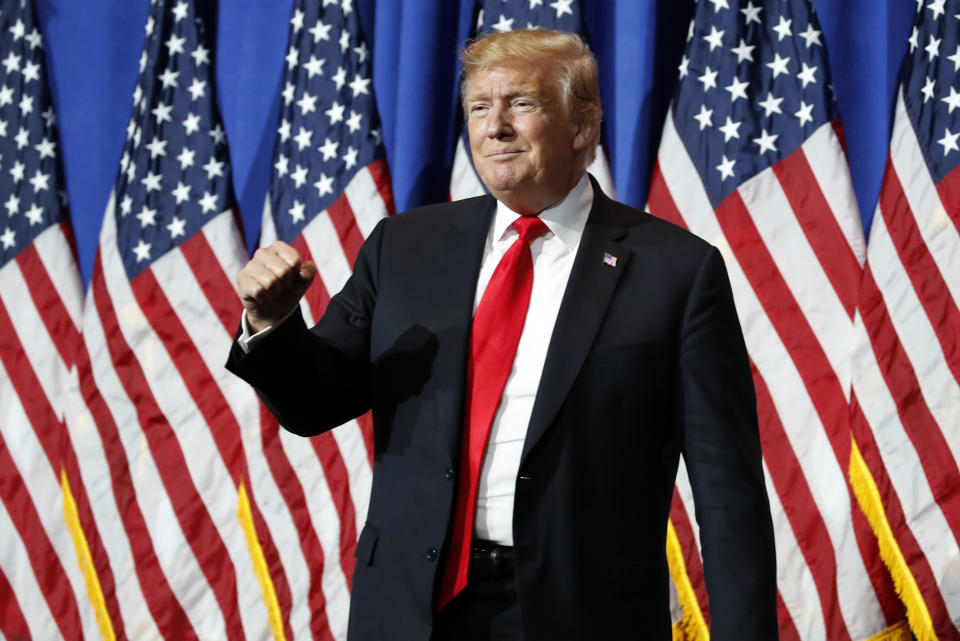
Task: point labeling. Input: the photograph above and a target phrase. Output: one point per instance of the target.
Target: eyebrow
(509, 94)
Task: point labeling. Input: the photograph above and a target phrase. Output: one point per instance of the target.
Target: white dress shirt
(553, 254)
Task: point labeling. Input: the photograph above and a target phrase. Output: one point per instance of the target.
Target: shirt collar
(566, 219)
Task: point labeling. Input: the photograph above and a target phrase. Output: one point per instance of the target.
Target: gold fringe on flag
(245, 516)
(896, 632)
(94, 592)
(692, 626)
(865, 489)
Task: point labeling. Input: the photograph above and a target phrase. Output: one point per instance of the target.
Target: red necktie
(497, 325)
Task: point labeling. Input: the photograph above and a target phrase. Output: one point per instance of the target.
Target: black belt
(489, 560)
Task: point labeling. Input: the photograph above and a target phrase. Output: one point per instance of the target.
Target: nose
(498, 122)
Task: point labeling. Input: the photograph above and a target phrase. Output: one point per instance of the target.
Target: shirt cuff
(248, 341)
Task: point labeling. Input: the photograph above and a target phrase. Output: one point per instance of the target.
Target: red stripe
(381, 177)
(949, 190)
(316, 296)
(338, 482)
(788, 631)
(12, 623)
(346, 225)
(883, 586)
(296, 501)
(819, 224)
(59, 324)
(166, 610)
(213, 281)
(44, 561)
(660, 201)
(195, 522)
(931, 447)
(801, 509)
(924, 274)
(893, 510)
(691, 555)
(274, 565)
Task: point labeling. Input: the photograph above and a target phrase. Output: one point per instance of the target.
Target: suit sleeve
(315, 379)
(721, 449)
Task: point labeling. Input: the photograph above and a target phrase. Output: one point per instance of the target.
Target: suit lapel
(600, 261)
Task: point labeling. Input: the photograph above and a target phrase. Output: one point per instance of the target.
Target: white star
(218, 134)
(162, 112)
(6, 96)
(936, 7)
(208, 202)
(359, 85)
(335, 112)
(344, 41)
(3, 128)
(8, 238)
(743, 51)
(297, 20)
(284, 130)
(296, 211)
(157, 147)
(913, 39)
(22, 138)
(806, 75)
(213, 168)
(35, 39)
(783, 29)
(149, 28)
(175, 44)
(690, 30)
(684, 67)
(176, 227)
(11, 62)
(361, 52)
(779, 65)
(730, 129)
(179, 11)
(719, 4)
(927, 90)
(737, 89)
(17, 30)
(142, 250)
(324, 185)
(953, 100)
(771, 105)
(804, 114)
(303, 138)
(12, 205)
(282, 165)
(340, 77)
(562, 7)
(504, 24)
(186, 158)
(26, 105)
(307, 103)
(45, 148)
(151, 181)
(715, 38)
(949, 141)
(350, 157)
(182, 192)
(200, 55)
(353, 122)
(31, 71)
(955, 59)
(40, 181)
(35, 214)
(535, 3)
(811, 36)
(752, 13)
(932, 48)
(704, 117)
(328, 149)
(299, 176)
(197, 88)
(726, 167)
(191, 123)
(346, 6)
(709, 78)
(49, 117)
(320, 32)
(17, 171)
(293, 57)
(314, 67)
(375, 134)
(147, 216)
(288, 91)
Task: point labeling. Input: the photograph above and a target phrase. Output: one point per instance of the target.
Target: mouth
(503, 154)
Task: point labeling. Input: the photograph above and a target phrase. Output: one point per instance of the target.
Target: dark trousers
(486, 610)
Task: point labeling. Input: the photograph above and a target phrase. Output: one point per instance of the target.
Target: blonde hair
(565, 54)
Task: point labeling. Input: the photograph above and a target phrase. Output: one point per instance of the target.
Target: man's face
(527, 151)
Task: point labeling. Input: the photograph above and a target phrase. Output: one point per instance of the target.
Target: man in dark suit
(536, 361)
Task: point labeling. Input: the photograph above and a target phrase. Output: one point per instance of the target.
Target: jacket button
(432, 554)
(448, 474)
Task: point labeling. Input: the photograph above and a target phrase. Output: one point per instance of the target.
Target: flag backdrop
(172, 506)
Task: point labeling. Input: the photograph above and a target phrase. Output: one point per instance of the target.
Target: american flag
(329, 188)
(507, 15)
(906, 363)
(47, 576)
(752, 160)
(164, 434)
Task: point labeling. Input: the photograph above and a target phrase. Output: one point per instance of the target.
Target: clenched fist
(272, 283)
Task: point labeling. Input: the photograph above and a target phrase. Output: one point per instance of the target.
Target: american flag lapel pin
(609, 259)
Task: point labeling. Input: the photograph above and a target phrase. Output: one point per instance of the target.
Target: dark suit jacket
(646, 362)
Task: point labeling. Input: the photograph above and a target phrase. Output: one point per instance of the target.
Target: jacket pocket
(367, 544)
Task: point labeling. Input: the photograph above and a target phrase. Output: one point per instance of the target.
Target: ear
(585, 134)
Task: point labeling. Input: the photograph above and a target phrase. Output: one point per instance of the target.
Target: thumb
(308, 270)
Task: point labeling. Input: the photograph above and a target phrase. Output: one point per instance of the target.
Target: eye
(478, 109)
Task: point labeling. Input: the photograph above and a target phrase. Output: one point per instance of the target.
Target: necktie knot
(530, 227)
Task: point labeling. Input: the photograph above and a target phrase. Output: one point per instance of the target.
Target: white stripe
(57, 257)
(686, 498)
(939, 388)
(326, 524)
(268, 231)
(601, 171)
(938, 232)
(15, 565)
(464, 182)
(365, 201)
(800, 268)
(829, 166)
(353, 450)
(226, 244)
(905, 471)
(324, 244)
